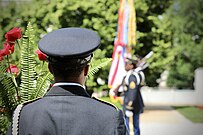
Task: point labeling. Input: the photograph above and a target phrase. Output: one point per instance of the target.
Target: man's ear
(86, 70)
(50, 68)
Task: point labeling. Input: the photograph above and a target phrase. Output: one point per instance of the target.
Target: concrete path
(162, 120)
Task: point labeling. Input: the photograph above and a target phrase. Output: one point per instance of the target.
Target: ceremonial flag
(125, 37)
(117, 71)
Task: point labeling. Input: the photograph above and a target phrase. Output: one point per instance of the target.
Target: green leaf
(28, 80)
(43, 83)
(97, 64)
(7, 92)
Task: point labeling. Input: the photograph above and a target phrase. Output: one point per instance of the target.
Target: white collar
(67, 83)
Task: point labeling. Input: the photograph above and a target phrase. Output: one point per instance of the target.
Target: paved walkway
(162, 120)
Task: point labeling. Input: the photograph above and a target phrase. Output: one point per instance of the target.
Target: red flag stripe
(116, 69)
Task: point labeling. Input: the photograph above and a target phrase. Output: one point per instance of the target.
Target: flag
(117, 70)
(131, 24)
(124, 40)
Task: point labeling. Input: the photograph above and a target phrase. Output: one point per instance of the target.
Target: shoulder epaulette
(30, 101)
(106, 102)
(16, 116)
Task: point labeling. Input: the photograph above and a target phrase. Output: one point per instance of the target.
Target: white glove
(128, 113)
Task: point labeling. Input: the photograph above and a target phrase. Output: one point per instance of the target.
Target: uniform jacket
(69, 110)
(132, 93)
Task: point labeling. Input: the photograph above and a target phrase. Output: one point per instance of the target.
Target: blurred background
(172, 29)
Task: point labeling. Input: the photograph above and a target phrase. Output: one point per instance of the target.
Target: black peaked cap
(69, 43)
(132, 61)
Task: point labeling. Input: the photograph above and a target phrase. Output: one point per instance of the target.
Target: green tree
(71, 13)
(152, 35)
(187, 18)
(99, 15)
(163, 45)
(178, 42)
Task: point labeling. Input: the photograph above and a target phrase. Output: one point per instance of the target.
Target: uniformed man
(67, 109)
(133, 103)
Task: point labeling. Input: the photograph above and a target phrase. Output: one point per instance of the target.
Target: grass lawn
(192, 113)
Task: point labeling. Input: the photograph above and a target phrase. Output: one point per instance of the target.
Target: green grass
(192, 113)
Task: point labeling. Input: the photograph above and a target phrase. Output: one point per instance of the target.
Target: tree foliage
(151, 36)
(172, 29)
(168, 33)
(186, 19)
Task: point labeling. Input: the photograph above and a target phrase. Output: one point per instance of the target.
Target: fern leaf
(97, 64)
(43, 83)
(2, 69)
(7, 92)
(28, 81)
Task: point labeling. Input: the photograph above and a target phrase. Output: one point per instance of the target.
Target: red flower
(41, 55)
(13, 35)
(8, 49)
(13, 69)
(11, 48)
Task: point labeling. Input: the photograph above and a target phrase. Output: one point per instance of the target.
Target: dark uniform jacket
(138, 104)
(132, 96)
(69, 110)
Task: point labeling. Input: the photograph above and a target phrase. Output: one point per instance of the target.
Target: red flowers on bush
(12, 69)
(5, 51)
(8, 49)
(13, 35)
(41, 55)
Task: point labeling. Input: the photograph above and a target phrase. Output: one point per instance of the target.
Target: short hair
(67, 68)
